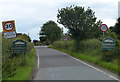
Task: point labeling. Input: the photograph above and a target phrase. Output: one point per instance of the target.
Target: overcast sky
(30, 15)
(119, 9)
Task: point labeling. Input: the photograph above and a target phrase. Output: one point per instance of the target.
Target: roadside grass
(93, 59)
(25, 72)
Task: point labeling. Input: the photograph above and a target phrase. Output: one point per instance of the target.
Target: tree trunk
(77, 45)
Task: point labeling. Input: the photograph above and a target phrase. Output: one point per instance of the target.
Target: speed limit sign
(9, 29)
(8, 26)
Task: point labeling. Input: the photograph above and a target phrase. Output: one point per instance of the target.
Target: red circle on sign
(103, 27)
(8, 26)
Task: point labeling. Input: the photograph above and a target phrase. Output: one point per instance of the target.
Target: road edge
(88, 64)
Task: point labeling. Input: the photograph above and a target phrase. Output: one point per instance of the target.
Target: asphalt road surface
(56, 65)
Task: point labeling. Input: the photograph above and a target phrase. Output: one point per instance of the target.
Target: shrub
(9, 67)
(10, 61)
(90, 47)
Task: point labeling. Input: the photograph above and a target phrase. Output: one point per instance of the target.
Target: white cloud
(34, 32)
(31, 14)
(119, 9)
(109, 22)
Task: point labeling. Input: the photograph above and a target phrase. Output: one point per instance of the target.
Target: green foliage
(110, 55)
(11, 62)
(43, 39)
(9, 67)
(8, 63)
(51, 31)
(91, 47)
(108, 34)
(116, 28)
(64, 45)
(24, 37)
(90, 44)
(83, 27)
(36, 42)
(93, 59)
(6, 47)
(80, 22)
(24, 72)
(96, 32)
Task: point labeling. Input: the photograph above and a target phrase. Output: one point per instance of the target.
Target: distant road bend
(56, 65)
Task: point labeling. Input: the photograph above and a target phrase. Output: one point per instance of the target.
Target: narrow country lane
(56, 65)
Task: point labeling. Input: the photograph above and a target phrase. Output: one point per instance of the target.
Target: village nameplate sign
(19, 46)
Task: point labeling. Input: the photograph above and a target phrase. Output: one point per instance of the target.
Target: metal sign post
(103, 33)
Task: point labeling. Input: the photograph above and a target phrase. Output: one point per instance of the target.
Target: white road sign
(11, 34)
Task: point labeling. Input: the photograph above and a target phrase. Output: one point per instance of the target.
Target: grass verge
(95, 60)
(25, 72)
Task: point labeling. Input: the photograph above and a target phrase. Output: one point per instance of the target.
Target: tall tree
(51, 31)
(79, 21)
(116, 28)
(95, 32)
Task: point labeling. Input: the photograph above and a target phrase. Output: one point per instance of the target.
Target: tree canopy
(51, 31)
(78, 20)
(116, 28)
(81, 23)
